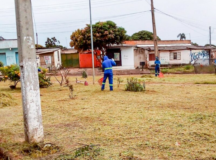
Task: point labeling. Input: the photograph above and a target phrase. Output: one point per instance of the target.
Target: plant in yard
(63, 72)
(135, 84)
(44, 81)
(71, 90)
(119, 81)
(187, 67)
(1, 64)
(84, 74)
(11, 73)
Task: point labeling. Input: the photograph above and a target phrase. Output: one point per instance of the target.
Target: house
(70, 58)
(49, 58)
(130, 54)
(9, 51)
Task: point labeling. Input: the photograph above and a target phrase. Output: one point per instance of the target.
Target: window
(151, 57)
(175, 56)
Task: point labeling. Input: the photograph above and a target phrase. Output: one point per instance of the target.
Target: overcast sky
(60, 18)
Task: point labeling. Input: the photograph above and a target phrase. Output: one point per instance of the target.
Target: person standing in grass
(157, 66)
(108, 73)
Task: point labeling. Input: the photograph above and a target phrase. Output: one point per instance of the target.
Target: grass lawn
(175, 118)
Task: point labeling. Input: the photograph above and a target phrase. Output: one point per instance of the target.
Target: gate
(70, 60)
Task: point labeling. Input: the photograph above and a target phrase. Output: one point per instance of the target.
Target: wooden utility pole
(154, 30)
(210, 36)
(29, 75)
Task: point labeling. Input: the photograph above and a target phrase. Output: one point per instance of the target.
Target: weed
(205, 82)
(86, 152)
(135, 84)
(187, 67)
(84, 74)
(119, 81)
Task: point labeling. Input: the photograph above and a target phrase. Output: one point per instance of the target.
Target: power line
(99, 18)
(180, 20)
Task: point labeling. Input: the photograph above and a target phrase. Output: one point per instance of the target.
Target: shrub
(187, 67)
(136, 85)
(44, 81)
(84, 74)
(11, 73)
(164, 70)
(1, 64)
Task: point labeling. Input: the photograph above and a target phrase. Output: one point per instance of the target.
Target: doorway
(116, 55)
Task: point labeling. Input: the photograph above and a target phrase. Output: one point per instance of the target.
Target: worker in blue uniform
(157, 66)
(108, 73)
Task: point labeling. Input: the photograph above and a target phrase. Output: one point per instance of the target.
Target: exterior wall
(200, 57)
(10, 56)
(57, 58)
(139, 56)
(127, 55)
(42, 61)
(187, 57)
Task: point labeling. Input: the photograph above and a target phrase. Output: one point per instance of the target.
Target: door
(116, 55)
(17, 58)
(3, 58)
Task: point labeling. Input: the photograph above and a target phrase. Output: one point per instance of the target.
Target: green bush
(134, 84)
(84, 74)
(11, 73)
(1, 64)
(44, 81)
(164, 70)
(187, 67)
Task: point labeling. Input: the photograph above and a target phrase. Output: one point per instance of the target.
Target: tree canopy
(38, 46)
(208, 45)
(181, 36)
(195, 44)
(104, 34)
(53, 43)
(143, 35)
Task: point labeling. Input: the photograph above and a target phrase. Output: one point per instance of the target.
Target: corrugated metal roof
(8, 43)
(43, 51)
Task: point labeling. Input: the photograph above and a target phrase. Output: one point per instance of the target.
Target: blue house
(9, 51)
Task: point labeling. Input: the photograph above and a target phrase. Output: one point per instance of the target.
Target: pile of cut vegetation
(6, 100)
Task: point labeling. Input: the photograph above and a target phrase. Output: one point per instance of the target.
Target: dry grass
(173, 119)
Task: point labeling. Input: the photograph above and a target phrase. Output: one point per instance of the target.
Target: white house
(175, 52)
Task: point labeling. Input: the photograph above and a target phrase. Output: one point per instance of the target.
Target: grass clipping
(6, 100)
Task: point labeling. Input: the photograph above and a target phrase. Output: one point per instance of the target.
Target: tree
(143, 35)
(181, 36)
(195, 44)
(104, 34)
(53, 43)
(38, 46)
(208, 45)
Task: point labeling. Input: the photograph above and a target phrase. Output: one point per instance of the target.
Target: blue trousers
(157, 71)
(110, 76)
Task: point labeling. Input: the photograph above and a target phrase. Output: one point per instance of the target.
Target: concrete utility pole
(29, 75)
(92, 43)
(210, 35)
(154, 29)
